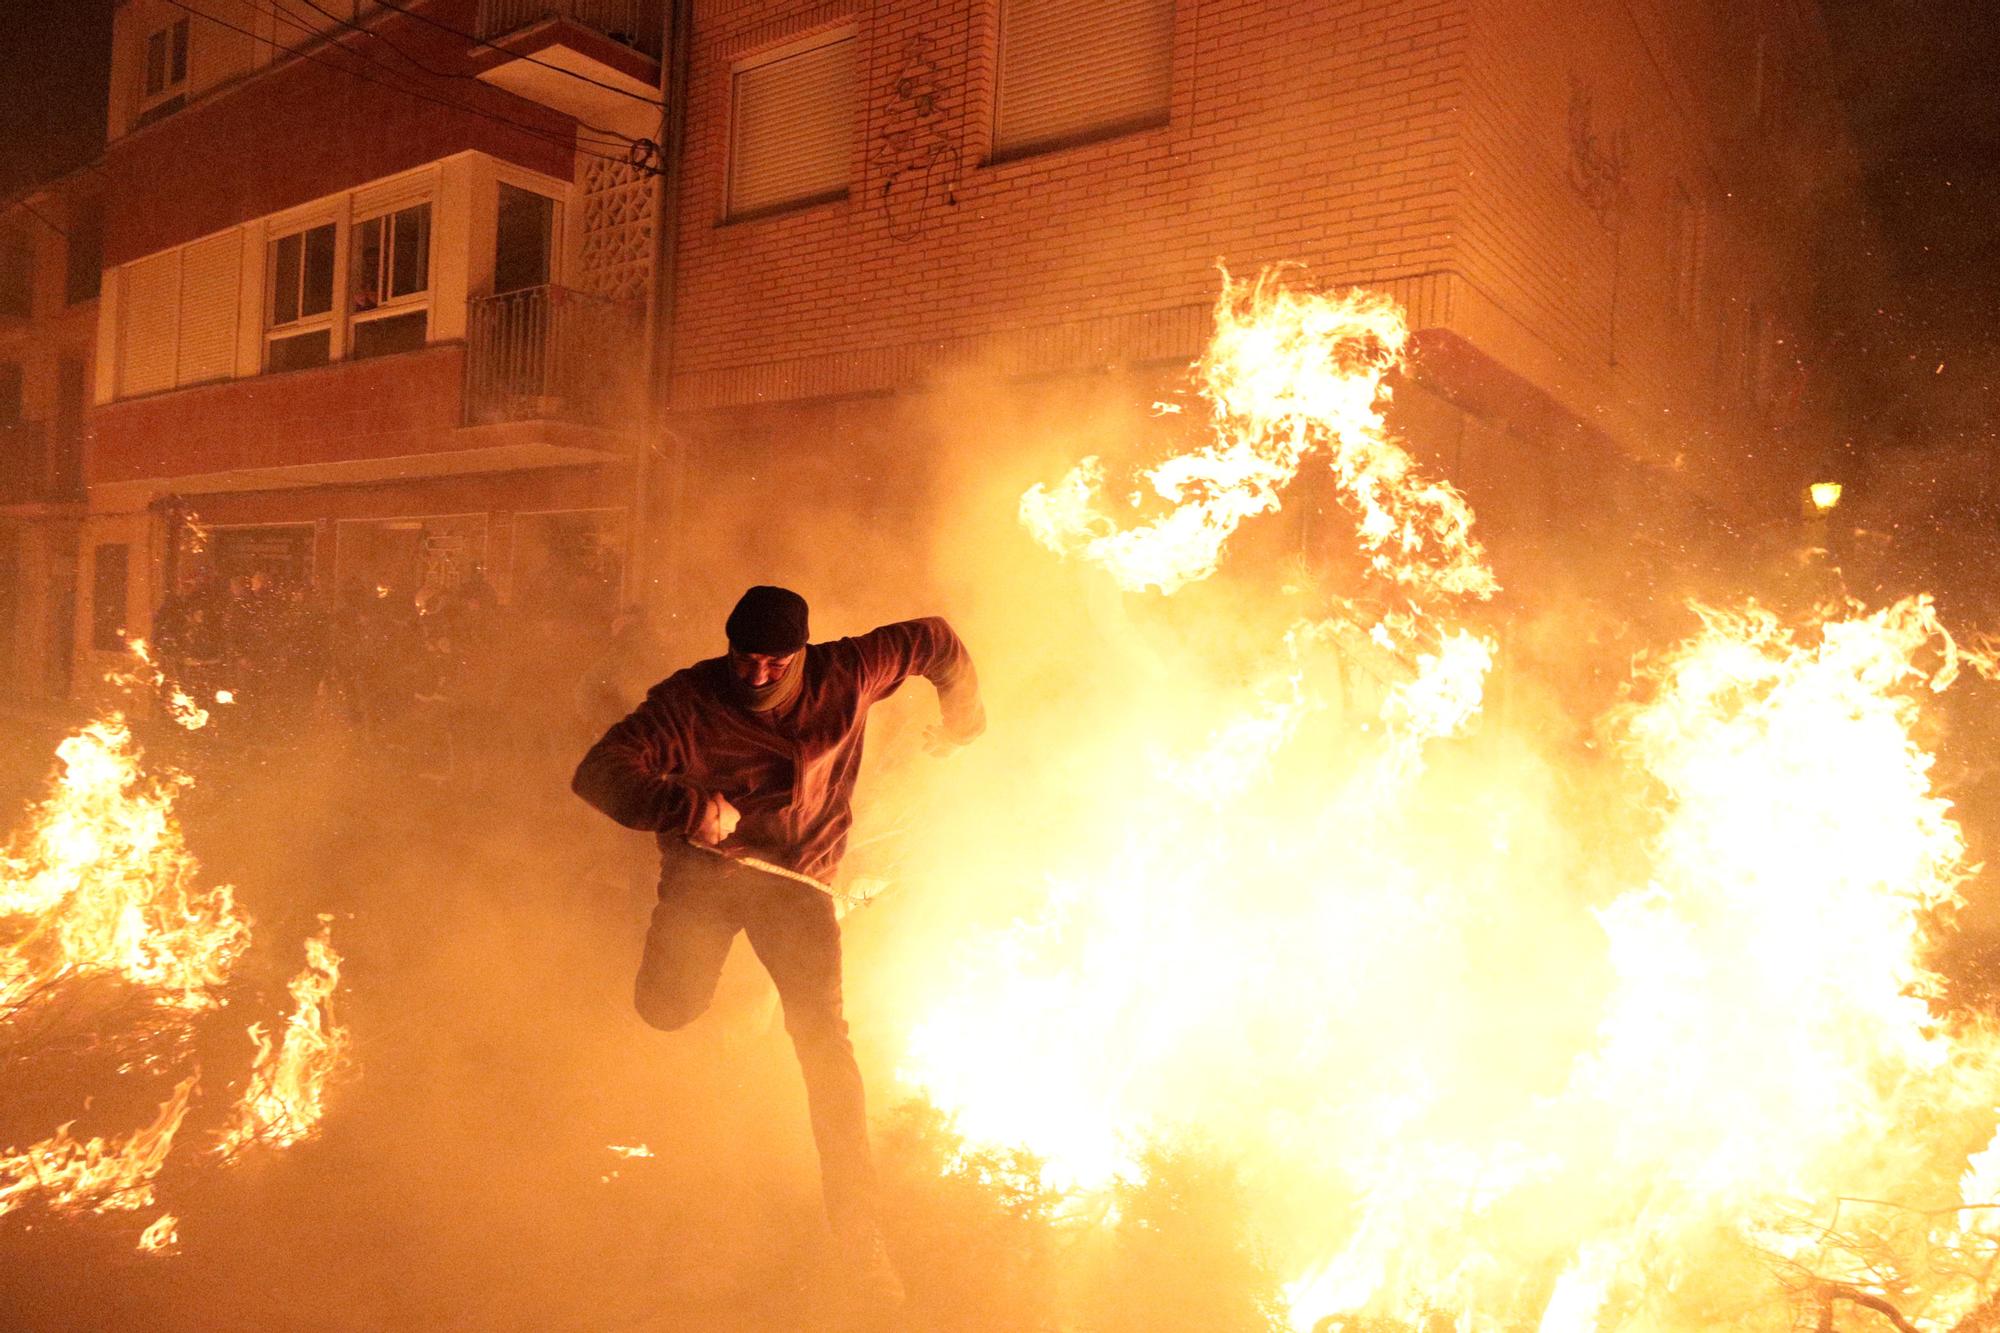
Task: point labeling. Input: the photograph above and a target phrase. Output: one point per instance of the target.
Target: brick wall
(289, 134)
(1317, 133)
(386, 408)
(1430, 147)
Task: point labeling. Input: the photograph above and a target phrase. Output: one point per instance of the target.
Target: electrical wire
(622, 149)
(19, 199)
(492, 46)
(317, 58)
(40, 217)
(392, 78)
(626, 141)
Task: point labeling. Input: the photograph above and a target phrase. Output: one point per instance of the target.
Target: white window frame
(170, 87)
(391, 306)
(731, 211)
(556, 192)
(330, 319)
(1010, 145)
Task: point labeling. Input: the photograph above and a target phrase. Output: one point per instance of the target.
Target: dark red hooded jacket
(790, 772)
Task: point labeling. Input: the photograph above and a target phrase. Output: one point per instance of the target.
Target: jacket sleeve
(927, 648)
(633, 773)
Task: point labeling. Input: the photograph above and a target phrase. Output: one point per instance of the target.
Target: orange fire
(101, 884)
(1477, 1071)
(99, 1174)
(286, 1096)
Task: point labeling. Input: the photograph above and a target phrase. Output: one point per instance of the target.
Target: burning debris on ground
(1478, 550)
(115, 960)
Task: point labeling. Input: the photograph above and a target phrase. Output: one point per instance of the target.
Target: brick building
(1600, 215)
(49, 271)
(382, 283)
(374, 299)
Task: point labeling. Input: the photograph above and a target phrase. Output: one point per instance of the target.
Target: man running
(744, 767)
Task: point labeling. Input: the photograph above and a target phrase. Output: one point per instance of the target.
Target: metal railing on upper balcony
(551, 353)
(633, 23)
(35, 469)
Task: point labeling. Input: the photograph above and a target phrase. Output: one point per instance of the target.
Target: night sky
(55, 58)
(1920, 80)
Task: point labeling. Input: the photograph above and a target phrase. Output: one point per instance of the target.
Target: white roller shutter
(209, 274)
(792, 128)
(1072, 71)
(149, 298)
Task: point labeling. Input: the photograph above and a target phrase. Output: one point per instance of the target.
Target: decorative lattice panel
(617, 256)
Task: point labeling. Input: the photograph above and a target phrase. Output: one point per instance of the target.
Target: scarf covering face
(780, 692)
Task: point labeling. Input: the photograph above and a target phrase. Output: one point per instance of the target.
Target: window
(70, 380)
(17, 273)
(166, 71)
(66, 454)
(524, 241)
(107, 596)
(792, 127)
(84, 259)
(167, 59)
(389, 275)
(1071, 73)
(298, 274)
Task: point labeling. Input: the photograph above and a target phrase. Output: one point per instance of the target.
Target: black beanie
(768, 620)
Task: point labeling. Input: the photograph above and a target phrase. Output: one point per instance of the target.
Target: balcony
(551, 354)
(35, 470)
(633, 23)
(596, 60)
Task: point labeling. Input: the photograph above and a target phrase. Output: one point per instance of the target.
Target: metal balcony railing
(37, 470)
(551, 353)
(633, 23)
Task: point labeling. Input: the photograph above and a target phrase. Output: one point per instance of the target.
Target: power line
(316, 58)
(41, 217)
(621, 151)
(20, 197)
(626, 140)
(493, 46)
(393, 81)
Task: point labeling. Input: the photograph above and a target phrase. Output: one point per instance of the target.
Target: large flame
(101, 885)
(103, 882)
(1501, 1039)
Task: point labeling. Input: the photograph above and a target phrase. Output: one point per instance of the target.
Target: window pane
(365, 279)
(525, 240)
(17, 273)
(180, 69)
(792, 129)
(410, 270)
(285, 252)
(301, 350)
(316, 283)
(84, 260)
(156, 63)
(1071, 72)
(392, 333)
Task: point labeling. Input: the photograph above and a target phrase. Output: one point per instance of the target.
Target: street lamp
(1823, 495)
